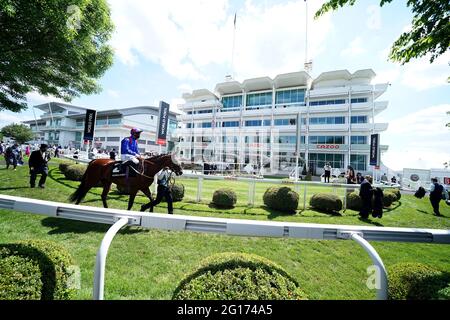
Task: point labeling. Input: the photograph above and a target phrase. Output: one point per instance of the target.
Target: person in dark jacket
(38, 165)
(164, 190)
(436, 190)
(377, 211)
(366, 192)
(112, 154)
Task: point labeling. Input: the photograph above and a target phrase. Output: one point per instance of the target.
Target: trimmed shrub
(20, 278)
(326, 202)
(388, 199)
(444, 294)
(35, 270)
(415, 281)
(237, 276)
(177, 193)
(283, 199)
(397, 193)
(64, 165)
(224, 198)
(354, 201)
(75, 172)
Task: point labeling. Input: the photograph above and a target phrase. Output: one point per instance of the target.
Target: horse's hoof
(143, 208)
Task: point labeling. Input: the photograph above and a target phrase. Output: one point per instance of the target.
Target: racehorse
(100, 171)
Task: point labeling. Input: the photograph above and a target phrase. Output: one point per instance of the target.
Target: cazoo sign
(328, 146)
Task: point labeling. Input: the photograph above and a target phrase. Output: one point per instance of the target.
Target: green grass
(149, 264)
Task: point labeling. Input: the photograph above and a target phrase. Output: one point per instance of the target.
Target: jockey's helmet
(135, 130)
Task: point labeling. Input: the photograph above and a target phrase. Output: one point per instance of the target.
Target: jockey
(129, 148)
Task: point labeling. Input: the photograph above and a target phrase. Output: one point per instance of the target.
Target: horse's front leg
(131, 200)
(147, 192)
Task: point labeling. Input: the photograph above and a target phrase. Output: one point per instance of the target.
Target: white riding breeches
(126, 157)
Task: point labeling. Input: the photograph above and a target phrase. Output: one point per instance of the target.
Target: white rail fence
(231, 227)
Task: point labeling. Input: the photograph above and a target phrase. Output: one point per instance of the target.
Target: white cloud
(185, 37)
(374, 17)
(35, 98)
(113, 93)
(185, 88)
(7, 118)
(355, 48)
(419, 140)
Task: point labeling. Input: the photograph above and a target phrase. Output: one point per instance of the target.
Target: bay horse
(99, 171)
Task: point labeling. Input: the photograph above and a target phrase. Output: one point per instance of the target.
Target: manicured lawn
(149, 264)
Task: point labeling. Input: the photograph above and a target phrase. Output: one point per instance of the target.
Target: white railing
(231, 227)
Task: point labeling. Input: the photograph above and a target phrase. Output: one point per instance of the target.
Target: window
(78, 136)
(359, 119)
(230, 124)
(359, 100)
(114, 120)
(290, 96)
(234, 102)
(259, 99)
(285, 122)
(287, 140)
(113, 139)
(358, 162)
(358, 140)
(101, 122)
(327, 120)
(204, 111)
(318, 160)
(206, 125)
(189, 126)
(327, 102)
(327, 140)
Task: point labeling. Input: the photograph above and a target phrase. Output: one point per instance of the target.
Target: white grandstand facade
(258, 122)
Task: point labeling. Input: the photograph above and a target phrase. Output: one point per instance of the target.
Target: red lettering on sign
(328, 146)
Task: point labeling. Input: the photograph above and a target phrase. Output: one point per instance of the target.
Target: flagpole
(234, 43)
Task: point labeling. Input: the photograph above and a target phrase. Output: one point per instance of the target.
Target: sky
(163, 49)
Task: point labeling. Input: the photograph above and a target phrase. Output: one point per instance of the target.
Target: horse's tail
(81, 191)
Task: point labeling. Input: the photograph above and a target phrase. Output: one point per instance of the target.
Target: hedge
(35, 270)
(224, 198)
(283, 199)
(397, 193)
(177, 192)
(415, 281)
(75, 172)
(326, 202)
(388, 198)
(238, 276)
(64, 165)
(354, 201)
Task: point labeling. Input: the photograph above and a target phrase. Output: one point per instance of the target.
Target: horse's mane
(158, 157)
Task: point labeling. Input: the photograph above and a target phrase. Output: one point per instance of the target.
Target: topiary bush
(326, 202)
(388, 199)
(397, 193)
(35, 270)
(64, 165)
(283, 199)
(177, 192)
(224, 198)
(237, 276)
(415, 281)
(354, 201)
(75, 172)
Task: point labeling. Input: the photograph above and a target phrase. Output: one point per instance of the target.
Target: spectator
(56, 152)
(28, 150)
(384, 178)
(366, 194)
(38, 165)
(112, 154)
(359, 178)
(2, 148)
(436, 190)
(394, 179)
(350, 175)
(327, 169)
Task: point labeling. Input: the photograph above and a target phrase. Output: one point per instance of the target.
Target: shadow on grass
(369, 221)
(14, 188)
(432, 214)
(399, 204)
(62, 226)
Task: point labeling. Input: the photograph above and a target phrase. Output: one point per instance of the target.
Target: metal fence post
(304, 196)
(100, 261)
(199, 188)
(251, 193)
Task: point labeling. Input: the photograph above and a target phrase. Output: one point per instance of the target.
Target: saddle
(124, 169)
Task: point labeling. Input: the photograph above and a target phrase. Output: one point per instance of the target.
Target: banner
(89, 125)
(163, 123)
(375, 150)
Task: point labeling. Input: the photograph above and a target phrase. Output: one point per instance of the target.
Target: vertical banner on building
(161, 137)
(89, 125)
(375, 150)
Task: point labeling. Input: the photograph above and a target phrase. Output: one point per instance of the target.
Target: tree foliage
(429, 34)
(56, 48)
(19, 132)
